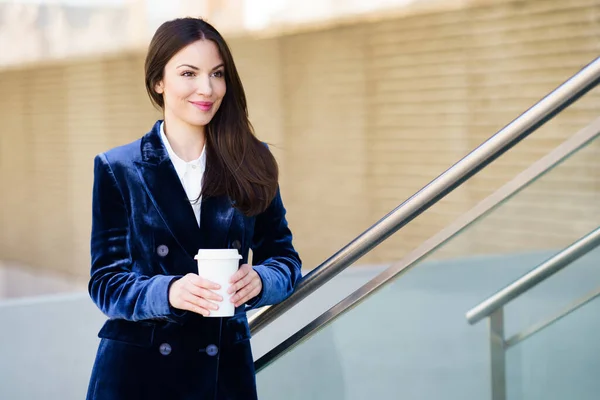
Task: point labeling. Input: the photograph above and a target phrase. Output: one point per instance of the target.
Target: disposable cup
(219, 265)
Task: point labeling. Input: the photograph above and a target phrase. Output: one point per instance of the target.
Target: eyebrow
(196, 68)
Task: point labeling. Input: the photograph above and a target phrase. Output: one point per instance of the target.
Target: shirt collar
(179, 164)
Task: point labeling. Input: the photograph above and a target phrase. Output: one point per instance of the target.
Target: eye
(187, 73)
(219, 74)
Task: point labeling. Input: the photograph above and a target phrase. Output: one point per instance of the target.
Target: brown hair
(237, 163)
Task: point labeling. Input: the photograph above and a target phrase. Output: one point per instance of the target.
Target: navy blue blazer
(144, 236)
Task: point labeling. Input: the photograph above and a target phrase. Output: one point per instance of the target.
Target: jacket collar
(153, 150)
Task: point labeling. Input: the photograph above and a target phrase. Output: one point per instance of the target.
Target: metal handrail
(539, 274)
(545, 164)
(494, 147)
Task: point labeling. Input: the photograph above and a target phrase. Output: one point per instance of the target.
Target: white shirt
(190, 173)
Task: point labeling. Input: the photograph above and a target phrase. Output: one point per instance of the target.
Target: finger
(200, 302)
(251, 294)
(203, 293)
(241, 273)
(239, 285)
(204, 283)
(244, 291)
(196, 309)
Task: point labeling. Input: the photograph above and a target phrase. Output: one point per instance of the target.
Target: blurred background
(363, 102)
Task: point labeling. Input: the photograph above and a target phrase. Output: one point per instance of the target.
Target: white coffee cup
(218, 266)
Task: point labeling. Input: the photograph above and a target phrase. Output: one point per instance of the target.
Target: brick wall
(360, 115)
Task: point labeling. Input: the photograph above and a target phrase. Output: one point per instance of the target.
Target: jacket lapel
(215, 220)
(164, 188)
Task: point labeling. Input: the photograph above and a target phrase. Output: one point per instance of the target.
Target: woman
(198, 180)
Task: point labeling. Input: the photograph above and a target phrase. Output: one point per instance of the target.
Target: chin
(199, 121)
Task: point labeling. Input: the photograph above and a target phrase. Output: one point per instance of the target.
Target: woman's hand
(246, 284)
(193, 293)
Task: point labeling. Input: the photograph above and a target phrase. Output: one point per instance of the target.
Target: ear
(159, 87)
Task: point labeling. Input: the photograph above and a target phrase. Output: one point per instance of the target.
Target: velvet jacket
(144, 236)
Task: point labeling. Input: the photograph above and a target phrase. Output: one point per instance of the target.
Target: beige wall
(360, 115)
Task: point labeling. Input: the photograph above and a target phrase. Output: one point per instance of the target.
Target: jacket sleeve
(273, 255)
(114, 286)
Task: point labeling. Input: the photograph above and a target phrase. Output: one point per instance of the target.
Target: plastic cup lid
(218, 254)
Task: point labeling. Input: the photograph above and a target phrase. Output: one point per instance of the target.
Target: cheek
(220, 92)
(179, 90)
(222, 89)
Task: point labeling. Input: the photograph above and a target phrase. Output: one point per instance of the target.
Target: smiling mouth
(202, 105)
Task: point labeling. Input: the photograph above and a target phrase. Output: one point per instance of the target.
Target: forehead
(201, 54)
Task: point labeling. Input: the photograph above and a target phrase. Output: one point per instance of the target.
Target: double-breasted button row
(165, 349)
(163, 250)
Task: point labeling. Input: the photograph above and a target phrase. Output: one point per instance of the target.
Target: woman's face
(193, 84)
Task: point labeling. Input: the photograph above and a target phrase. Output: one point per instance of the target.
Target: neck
(187, 141)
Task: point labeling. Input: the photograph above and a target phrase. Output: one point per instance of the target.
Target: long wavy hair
(238, 165)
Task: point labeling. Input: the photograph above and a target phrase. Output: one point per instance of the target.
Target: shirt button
(194, 166)
(162, 250)
(165, 349)
(236, 244)
(212, 350)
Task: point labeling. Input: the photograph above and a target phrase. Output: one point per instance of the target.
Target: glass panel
(559, 362)
(410, 340)
(314, 305)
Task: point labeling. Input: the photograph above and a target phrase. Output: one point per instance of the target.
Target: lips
(202, 105)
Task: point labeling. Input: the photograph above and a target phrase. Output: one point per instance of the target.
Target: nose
(204, 86)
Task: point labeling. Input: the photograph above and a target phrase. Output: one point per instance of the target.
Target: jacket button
(165, 349)
(212, 350)
(236, 244)
(162, 250)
